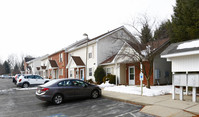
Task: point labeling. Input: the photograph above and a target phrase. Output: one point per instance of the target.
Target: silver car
(58, 90)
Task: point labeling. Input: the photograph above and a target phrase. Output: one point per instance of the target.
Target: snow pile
(106, 84)
(24, 89)
(154, 91)
(192, 44)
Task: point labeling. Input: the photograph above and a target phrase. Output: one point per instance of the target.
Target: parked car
(14, 79)
(58, 90)
(6, 77)
(27, 80)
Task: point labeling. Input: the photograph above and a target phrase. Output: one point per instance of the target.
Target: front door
(131, 75)
(82, 74)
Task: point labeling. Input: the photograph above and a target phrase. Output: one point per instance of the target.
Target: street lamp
(86, 35)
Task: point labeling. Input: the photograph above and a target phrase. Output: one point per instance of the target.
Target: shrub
(110, 78)
(90, 81)
(99, 74)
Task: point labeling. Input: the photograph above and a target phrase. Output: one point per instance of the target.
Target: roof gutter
(180, 54)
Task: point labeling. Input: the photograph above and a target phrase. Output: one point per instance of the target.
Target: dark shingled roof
(109, 60)
(53, 63)
(28, 59)
(78, 61)
(43, 67)
(172, 49)
(38, 68)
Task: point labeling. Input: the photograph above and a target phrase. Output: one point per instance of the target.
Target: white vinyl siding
(185, 63)
(61, 57)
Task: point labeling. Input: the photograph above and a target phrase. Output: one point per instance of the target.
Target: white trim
(129, 74)
(180, 54)
(122, 27)
(67, 66)
(80, 73)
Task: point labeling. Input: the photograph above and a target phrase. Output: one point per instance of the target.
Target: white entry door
(82, 74)
(131, 75)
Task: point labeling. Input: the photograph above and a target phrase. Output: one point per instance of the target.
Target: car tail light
(20, 80)
(42, 90)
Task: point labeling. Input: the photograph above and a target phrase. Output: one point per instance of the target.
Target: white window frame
(90, 71)
(90, 55)
(108, 72)
(61, 57)
(71, 73)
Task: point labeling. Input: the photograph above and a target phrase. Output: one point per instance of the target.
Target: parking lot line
(131, 113)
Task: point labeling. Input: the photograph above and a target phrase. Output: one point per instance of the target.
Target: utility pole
(86, 55)
(141, 79)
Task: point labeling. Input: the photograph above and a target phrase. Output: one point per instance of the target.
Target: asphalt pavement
(23, 103)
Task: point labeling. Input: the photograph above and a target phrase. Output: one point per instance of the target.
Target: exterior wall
(34, 65)
(108, 46)
(61, 65)
(137, 74)
(185, 63)
(45, 62)
(91, 62)
(164, 68)
(123, 75)
(113, 71)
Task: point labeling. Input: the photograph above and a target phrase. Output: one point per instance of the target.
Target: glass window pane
(131, 76)
(131, 70)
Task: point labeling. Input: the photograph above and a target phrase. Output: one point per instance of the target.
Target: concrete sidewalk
(159, 105)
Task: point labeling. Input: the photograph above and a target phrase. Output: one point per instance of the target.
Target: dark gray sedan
(57, 90)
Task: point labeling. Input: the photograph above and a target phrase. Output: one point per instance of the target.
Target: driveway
(15, 102)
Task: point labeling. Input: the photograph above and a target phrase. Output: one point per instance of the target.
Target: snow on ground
(106, 84)
(24, 89)
(191, 44)
(5, 91)
(154, 91)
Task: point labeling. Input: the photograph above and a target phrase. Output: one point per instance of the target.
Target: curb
(127, 101)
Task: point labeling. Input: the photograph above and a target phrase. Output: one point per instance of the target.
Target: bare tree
(2, 69)
(142, 47)
(13, 60)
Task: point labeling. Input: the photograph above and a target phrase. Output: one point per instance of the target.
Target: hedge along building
(127, 70)
(85, 55)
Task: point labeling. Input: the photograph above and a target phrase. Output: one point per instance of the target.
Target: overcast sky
(39, 27)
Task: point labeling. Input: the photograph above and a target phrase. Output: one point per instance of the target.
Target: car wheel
(95, 94)
(25, 85)
(57, 99)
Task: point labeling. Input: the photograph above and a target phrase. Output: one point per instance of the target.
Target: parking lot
(16, 102)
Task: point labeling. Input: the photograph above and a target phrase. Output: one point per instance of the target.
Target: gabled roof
(181, 49)
(53, 63)
(28, 59)
(43, 67)
(158, 45)
(83, 42)
(109, 60)
(78, 61)
(37, 59)
(63, 49)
